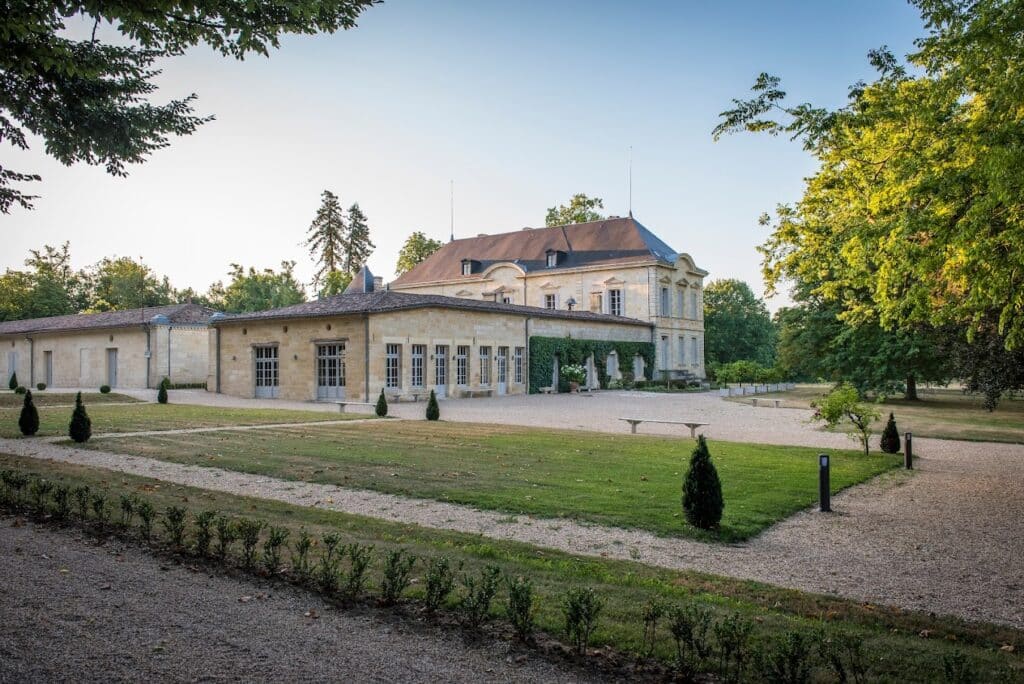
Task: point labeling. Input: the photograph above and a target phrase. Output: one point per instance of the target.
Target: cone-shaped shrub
(13, 384)
(29, 419)
(382, 405)
(702, 490)
(80, 429)
(161, 396)
(433, 410)
(890, 437)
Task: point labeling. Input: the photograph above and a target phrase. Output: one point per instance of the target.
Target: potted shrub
(574, 374)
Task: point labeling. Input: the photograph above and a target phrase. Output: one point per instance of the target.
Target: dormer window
(469, 267)
(554, 257)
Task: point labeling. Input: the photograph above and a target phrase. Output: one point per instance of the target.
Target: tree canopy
(358, 246)
(254, 290)
(123, 283)
(91, 100)
(737, 326)
(326, 238)
(579, 210)
(915, 216)
(417, 248)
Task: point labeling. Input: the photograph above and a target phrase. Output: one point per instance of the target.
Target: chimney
(378, 283)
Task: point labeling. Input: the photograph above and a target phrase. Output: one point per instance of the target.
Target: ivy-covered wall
(568, 350)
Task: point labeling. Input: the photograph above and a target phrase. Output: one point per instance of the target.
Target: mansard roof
(606, 242)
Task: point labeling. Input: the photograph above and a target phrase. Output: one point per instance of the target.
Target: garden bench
(776, 402)
(693, 425)
(343, 404)
(482, 392)
(546, 390)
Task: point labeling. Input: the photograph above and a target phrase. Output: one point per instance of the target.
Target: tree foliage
(890, 440)
(326, 237)
(843, 403)
(433, 410)
(28, 421)
(80, 428)
(92, 100)
(358, 246)
(416, 249)
(580, 209)
(381, 408)
(737, 326)
(702, 490)
(915, 216)
(254, 290)
(122, 283)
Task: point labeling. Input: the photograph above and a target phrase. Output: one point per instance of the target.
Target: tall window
(549, 301)
(682, 350)
(665, 310)
(393, 366)
(418, 352)
(467, 268)
(694, 359)
(506, 299)
(485, 365)
(462, 365)
(517, 366)
(596, 302)
(681, 302)
(552, 259)
(694, 314)
(615, 302)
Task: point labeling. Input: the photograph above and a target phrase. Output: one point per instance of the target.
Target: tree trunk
(911, 394)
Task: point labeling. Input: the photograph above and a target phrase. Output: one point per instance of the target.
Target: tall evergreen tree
(28, 421)
(358, 247)
(327, 237)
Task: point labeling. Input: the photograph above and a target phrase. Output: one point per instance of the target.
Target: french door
(266, 372)
(330, 371)
(441, 370)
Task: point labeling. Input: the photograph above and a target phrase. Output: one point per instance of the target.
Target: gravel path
(74, 611)
(946, 539)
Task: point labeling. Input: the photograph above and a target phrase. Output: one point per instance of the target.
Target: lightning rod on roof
(629, 182)
(451, 208)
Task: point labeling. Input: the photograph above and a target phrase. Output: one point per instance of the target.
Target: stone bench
(480, 392)
(545, 390)
(343, 404)
(693, 425)
(776, 402)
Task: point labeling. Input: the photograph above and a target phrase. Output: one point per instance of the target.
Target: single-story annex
(353, 345)
(136, 348)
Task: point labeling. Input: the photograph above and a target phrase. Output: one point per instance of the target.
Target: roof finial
(451, 208)
(629, 175)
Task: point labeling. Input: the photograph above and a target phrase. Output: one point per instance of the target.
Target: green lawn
(894, 651)
(621, 480)
(45, 398)
(143, 416)
(940, 412)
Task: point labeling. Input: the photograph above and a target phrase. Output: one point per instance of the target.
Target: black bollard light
(824, 491)
(908, 451)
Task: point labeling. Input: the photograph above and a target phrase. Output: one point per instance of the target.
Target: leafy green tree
(254, 290)
(28, 421)
(49, 288)
(702, 490)
(335, 283)
(326, 238)
(91, 101)
(121, 283)
(914, 211)
(580, 209)
(416, 249)
(985, 365)
(737, 326)
(843, 403)
(80, 429)
(358, 246)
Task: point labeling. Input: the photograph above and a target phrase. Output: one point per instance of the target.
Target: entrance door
(330, 371)
(266, 372)
(12, 365)
(502, 370)
(441, 371)
(112, 367)
(48, 368)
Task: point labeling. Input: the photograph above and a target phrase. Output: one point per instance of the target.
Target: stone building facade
(351, 346)
(614, 266)
(132, 349)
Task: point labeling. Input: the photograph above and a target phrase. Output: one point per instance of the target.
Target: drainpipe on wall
(526, 351)
(366, 355)
(169, 328)
(218, 360)
(31, 362)
(149, 355)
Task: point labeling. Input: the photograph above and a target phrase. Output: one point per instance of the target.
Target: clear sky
(520, 104)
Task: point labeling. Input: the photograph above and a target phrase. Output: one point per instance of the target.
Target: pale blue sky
(521, 104)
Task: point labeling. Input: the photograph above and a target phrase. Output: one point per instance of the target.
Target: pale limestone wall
(188, 360)
(20, 348)
(428, 327)
(640, 284)
(79, 359)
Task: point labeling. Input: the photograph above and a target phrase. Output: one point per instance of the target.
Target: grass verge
(898, 645)
(49, 398)
(628, 481)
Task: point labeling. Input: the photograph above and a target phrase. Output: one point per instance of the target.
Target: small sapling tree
(843, 403)
(702, 490)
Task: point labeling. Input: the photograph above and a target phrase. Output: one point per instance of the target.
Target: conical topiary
(702, 490)
(29, 419)
(13, 384)
(161, 395)
(382, 405)
(890, 437)
(433, 410)
(80, 429)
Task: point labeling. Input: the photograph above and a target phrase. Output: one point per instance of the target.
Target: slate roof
(176, 313)
(361, 282)
(610, 241)
(389, 300)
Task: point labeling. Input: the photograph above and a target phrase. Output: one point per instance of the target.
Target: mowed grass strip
(142, 417)
(943, 413)
(893, 647)
(619, 480)
(45, 398)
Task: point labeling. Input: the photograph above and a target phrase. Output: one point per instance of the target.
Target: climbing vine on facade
(543, 351)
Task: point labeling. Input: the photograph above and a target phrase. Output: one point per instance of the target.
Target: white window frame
(616, 302)
(418, 357)
(666, 302)
(552, 259)
(467, 268)
(550, 300)
(485, 365)
(517, 365)
(393, 366)
(462, 365)
(681, 303)
(682, 350)
(693, 352)
(694, 305)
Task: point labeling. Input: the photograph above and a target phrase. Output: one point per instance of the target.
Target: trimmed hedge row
(543, 351)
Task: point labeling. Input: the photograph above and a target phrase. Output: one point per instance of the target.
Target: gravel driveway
(74, 611)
